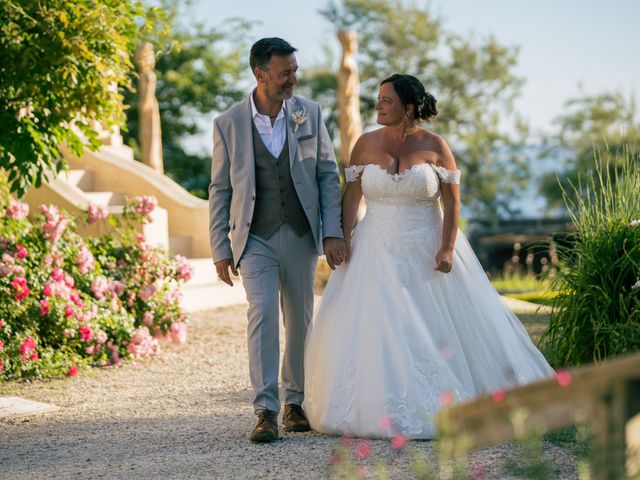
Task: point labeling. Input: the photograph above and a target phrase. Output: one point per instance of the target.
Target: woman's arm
(352, 194)
(450, 193)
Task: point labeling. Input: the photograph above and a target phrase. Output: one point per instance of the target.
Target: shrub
(67, 302)
(597, 312)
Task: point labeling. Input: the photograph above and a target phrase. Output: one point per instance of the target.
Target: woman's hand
(444, 260)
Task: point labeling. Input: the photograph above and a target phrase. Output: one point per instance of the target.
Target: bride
(411, 316)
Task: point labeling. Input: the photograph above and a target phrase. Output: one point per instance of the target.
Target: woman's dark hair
(412, 92)
(265, 48)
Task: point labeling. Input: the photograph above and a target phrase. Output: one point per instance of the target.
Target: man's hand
(334, 251)
(222, 267)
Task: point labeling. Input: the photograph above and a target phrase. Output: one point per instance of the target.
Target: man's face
(279, 77)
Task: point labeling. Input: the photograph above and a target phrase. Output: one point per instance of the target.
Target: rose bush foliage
(67, 302)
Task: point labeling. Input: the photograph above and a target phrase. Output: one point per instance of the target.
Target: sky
(568, 48)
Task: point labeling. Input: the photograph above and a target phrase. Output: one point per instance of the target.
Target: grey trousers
(282, 266)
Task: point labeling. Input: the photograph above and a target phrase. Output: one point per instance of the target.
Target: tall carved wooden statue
(150, 135)
(349, 118)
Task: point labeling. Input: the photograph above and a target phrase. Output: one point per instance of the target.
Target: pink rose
(28, 345)
(44, 307)
(178, 332)
(147, 319)
(73, 371)
(147, 292)
(101, 337)
(86, 333)
(96, 212)
(57, 275)
(21, 251)
(17, 210)
(21, 288)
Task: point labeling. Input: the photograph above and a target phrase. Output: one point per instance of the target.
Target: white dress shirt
(274, 136)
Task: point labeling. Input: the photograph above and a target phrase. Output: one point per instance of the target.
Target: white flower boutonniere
(298, 118)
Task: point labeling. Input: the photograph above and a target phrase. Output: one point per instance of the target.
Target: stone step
(205, 290)
(83, 179)
(106, 198)
(207, 296)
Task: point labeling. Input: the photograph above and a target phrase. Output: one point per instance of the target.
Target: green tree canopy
(602, 126)
(60, 64)
(472, 78)
(198, 70)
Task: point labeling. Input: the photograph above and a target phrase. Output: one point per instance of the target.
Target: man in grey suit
(275, 192)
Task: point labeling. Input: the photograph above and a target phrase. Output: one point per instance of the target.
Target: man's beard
(283, 93)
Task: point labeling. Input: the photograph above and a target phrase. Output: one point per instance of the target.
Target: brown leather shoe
(294, 419)
(267, 428)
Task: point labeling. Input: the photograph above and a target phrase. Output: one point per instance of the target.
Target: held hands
(444, 260)
(222, 268)
(334, 251)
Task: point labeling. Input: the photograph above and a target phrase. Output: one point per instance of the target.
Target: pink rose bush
(68, 303)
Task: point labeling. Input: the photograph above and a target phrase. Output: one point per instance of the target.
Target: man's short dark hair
(265, 48)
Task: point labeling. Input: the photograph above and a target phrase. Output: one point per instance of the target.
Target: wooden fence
(605, 396)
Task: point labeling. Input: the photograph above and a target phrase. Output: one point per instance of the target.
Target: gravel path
(185, 414)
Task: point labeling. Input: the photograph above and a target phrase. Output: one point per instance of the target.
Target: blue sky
(567, 48)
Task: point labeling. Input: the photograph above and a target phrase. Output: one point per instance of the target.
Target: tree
(199, 70)
(472, 79)
(601, 126)
(60, 63)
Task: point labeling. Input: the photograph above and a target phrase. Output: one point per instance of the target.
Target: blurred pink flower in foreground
(398, 441)
(446, 398)
(362, 449)
(563, 377)
(384, 422)
(498, 395)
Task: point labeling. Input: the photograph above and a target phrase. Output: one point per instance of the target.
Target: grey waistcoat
(276, 199)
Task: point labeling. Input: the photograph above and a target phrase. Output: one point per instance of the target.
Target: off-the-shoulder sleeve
(447, 176)
(352, 173)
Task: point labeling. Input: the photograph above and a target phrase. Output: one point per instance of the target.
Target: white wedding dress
(392, 335)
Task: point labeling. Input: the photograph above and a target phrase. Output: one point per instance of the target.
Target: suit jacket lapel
(291, 106)
(245, 134)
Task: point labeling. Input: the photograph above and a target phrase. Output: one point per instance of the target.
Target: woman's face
(390, 109)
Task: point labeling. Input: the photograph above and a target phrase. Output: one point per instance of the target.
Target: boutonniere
(298, 118)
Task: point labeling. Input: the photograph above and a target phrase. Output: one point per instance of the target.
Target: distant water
(542, 159)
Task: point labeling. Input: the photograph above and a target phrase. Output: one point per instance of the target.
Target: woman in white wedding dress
(411, 316)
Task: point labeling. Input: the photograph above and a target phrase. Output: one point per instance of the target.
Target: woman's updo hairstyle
(412, 92)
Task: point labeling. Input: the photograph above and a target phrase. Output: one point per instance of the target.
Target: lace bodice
(404, 208)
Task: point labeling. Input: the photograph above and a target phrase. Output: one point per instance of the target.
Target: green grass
(596, 315)
(519, 284)
(541, 297)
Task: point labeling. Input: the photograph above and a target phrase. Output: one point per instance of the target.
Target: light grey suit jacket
(232, 191)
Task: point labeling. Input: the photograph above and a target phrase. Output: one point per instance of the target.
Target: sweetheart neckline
(399, 174)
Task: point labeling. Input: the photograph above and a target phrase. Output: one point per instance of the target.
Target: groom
(275, 192)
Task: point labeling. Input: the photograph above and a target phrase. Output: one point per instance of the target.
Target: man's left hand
(334, 251)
